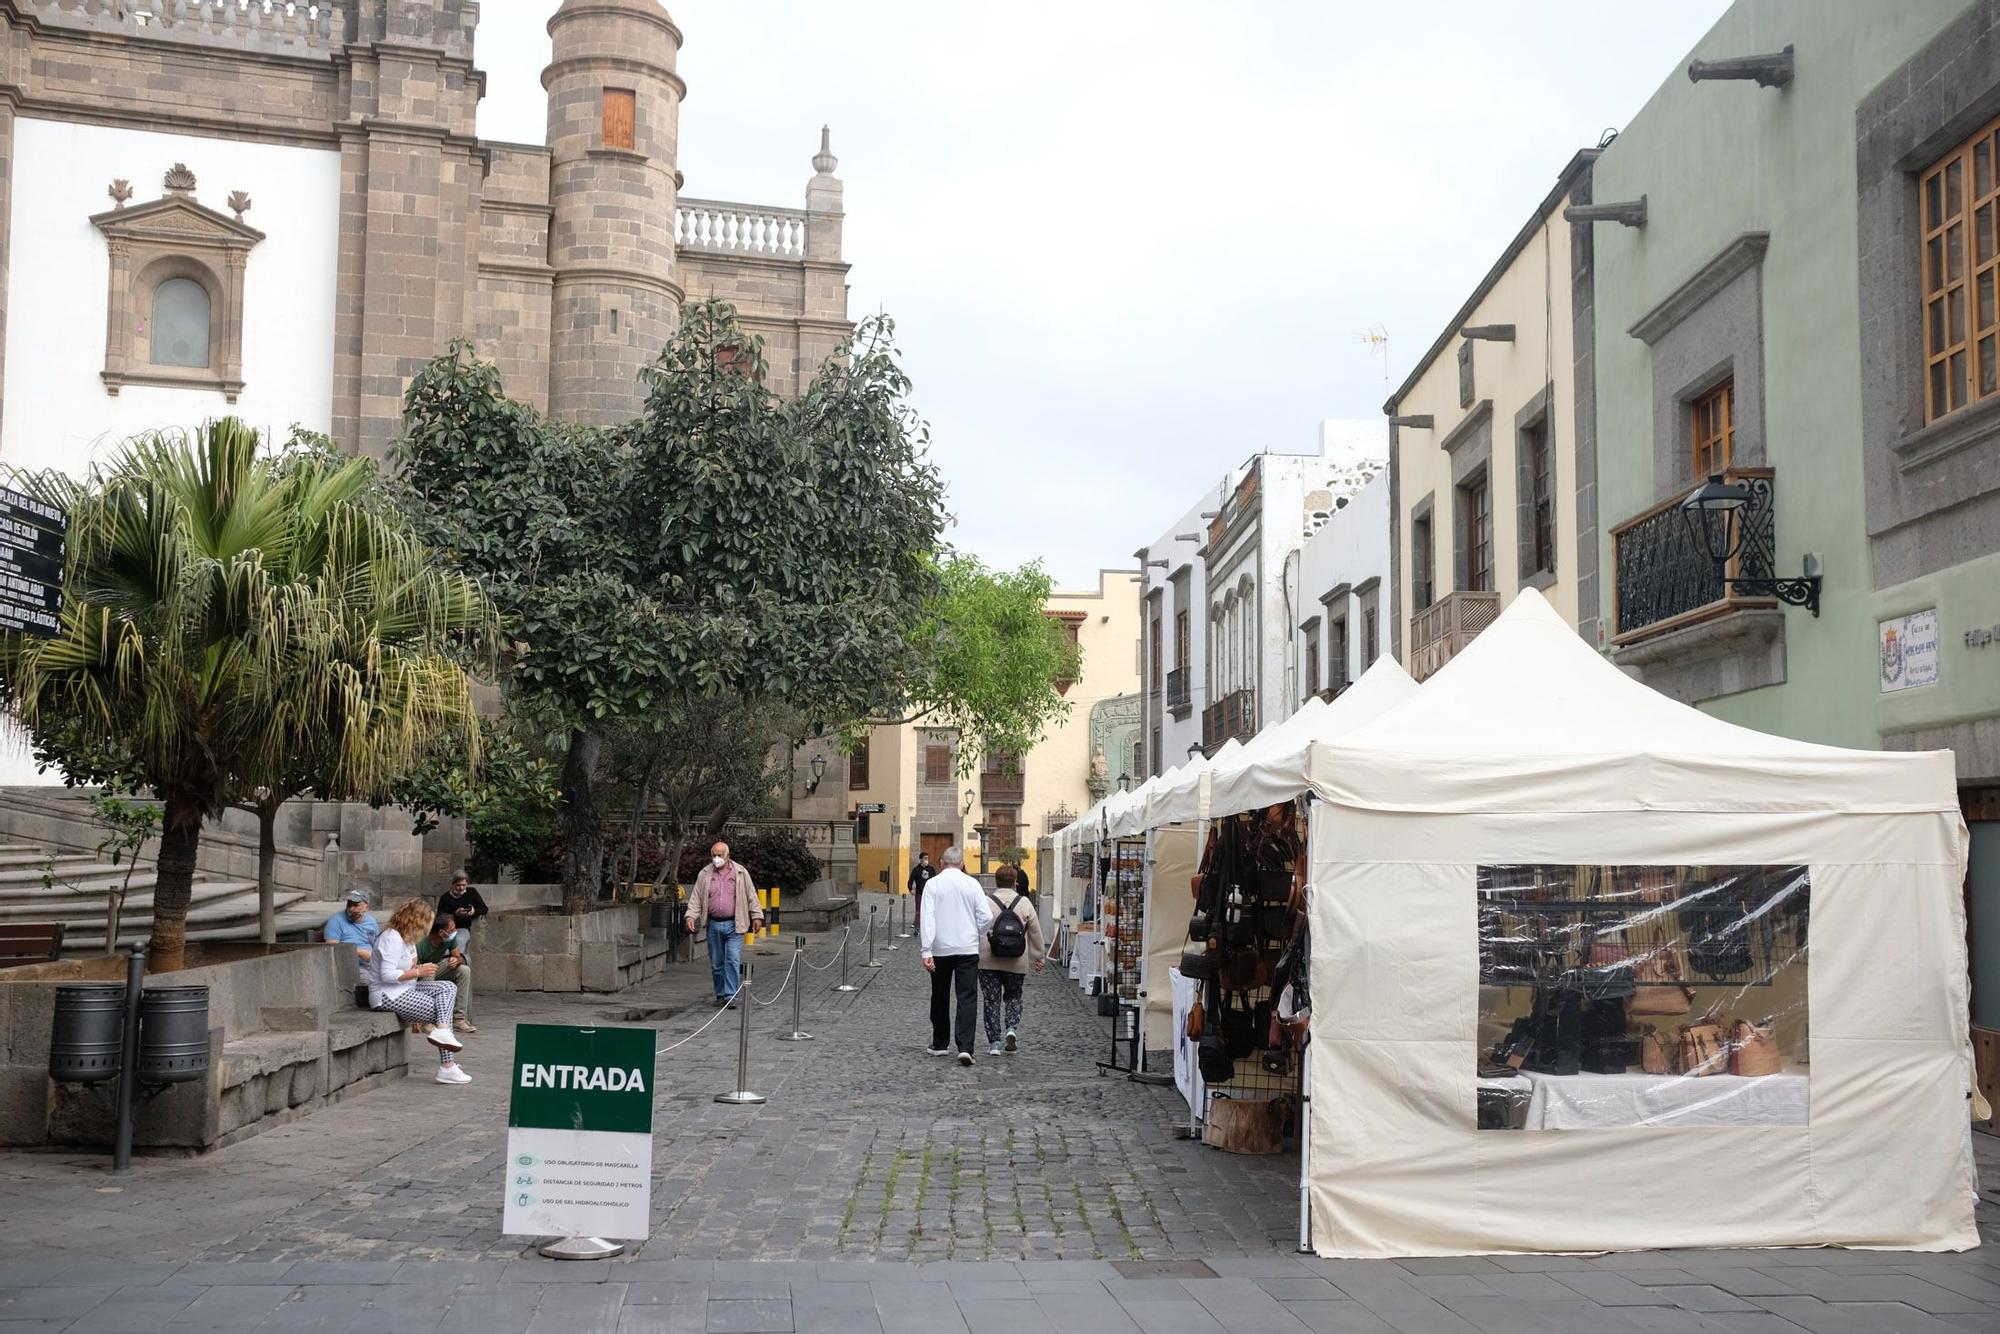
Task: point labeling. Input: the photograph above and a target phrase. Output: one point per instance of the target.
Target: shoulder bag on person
(1008, 936)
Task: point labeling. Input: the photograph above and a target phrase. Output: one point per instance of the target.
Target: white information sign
(579, 1133)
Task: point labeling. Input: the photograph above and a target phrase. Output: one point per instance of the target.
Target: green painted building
(1806, 304)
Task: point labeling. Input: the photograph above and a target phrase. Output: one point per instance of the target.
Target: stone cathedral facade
(281, 209)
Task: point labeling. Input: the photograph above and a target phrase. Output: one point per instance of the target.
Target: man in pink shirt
(726, 903)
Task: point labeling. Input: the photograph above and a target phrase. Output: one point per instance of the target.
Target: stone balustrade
(740, 229)
(296, 27)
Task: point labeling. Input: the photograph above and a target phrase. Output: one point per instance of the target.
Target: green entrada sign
(580, 1132)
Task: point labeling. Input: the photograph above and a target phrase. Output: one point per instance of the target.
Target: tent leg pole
(1305, 1151)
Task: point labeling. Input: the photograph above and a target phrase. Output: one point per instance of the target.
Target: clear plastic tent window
(1642, 996)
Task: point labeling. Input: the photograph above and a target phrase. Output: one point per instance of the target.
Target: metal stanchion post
(873, 962)
(742, 1095)
(889, 928)
(905, 898)
(128, 1061)
(798, 1033)
(845, 985)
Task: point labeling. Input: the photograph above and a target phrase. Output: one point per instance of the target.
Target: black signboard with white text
(31, 564)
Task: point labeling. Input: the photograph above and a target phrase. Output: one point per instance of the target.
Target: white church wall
(57, 412)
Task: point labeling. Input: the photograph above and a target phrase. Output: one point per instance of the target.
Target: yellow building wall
(1533, 289)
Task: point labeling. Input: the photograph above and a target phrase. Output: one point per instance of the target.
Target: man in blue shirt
(354, 925)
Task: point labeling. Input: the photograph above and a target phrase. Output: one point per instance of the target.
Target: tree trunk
(173, 888)
(267, 866)
(629, 874)
(583, 857)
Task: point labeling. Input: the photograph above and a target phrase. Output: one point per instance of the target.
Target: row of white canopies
(1273, 766)
(1529, 747)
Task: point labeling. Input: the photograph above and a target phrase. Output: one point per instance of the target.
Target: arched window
(180, 323)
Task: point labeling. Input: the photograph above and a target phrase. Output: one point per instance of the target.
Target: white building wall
(1350, 550)
(1184, 571)
(56, 412)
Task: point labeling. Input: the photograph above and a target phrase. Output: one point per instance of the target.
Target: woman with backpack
(1010, 944)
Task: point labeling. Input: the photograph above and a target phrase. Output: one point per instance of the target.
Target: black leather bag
(1557, 1044)
(1239, 1028)
(1198, 926)
(1197, 963)
(1211, 1057)
(1274, 886)
(1274, 922)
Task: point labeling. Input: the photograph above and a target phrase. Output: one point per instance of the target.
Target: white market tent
(1185, 800)
(1530, 747)
(1276, 765)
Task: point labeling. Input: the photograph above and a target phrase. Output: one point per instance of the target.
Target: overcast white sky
(1128, 243)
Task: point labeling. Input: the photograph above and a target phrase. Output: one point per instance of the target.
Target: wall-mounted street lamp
(818, 772)
(1714, 516)
(1124, 782)
(1194, 750)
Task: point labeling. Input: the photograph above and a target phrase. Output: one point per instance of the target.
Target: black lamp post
(1124, 782)
(818, 772)
(1714, 517)
(1194, 750)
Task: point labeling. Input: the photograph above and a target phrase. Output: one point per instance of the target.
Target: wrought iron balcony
(1234, 715)
(1177, 692)
(1441, 630)
(1665, 577)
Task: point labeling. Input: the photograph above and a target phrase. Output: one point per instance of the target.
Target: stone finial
(824, 161)
(180, 181)
(120, 192)
(239, 203)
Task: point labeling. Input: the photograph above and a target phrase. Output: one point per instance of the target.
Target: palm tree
(235, 624)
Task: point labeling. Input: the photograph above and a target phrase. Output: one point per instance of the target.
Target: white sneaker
(965, 1058)
(937, 1051)
(444, 1037)
(1011, 1044)
(993, 1050)
(451, 1074)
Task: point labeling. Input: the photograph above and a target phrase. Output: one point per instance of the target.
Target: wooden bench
(24, 943)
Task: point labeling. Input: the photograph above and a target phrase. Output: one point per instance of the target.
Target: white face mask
(718, 863)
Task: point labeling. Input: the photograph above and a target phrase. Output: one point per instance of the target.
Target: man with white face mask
(726, 903)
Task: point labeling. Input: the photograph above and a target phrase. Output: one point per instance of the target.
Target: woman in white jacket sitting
(402, 985)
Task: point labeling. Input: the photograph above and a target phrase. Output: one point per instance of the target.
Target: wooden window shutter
(619, 114)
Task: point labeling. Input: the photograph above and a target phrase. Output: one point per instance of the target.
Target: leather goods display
(1238, 926)
(1274, 922)
(1198, 926)
(1211, 1057)
(1654, 1058)
(1703, 1051)
(1239, 1027)
(1556, 1041)
(1753, 1049)
(1246, 970)
(1660, 977)
(1274, 886)
(1195, 1021)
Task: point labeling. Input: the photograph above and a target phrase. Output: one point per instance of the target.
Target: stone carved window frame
(174, 237)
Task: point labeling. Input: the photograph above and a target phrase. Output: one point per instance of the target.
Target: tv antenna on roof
(1376, 339)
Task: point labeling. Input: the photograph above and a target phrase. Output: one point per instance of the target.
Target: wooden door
(934, 845)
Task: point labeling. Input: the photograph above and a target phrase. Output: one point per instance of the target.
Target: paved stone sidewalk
(878, 1190)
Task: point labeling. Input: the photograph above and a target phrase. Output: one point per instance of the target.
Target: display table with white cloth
(1590, 1102)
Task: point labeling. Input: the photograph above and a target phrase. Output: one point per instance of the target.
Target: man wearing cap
(354, 925)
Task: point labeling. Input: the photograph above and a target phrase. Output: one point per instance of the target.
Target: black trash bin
(89, 1030)
(173, 1034)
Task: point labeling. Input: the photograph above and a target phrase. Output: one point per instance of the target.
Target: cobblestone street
(878, 1189)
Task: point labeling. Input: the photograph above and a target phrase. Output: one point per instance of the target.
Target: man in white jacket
(955, 921)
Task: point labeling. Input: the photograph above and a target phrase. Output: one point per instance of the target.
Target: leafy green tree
(726, 546)
(986, 659)
(234, 624)
(509, 799)
(128, 826)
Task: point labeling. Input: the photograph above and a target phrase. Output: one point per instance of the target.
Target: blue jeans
(725, 956)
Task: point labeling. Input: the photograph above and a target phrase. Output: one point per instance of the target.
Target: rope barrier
(719, 1012)
(786, 981)
(822, 967)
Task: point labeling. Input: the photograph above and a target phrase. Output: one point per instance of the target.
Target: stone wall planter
(608, 949)
(284, 1037)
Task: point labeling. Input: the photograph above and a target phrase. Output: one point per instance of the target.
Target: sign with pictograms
(580, 1133)
(31, 564)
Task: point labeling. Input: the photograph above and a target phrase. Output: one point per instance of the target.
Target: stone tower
(614, 129)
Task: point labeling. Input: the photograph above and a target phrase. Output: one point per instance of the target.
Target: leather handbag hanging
(1198, 926)
(1239, 1027)
(1753, 1049)
(1660, 977)
(1195, 1021)
(1246, 970)
(1198, 963)
(1274, 922)
(1211, 1057)
(1703, 1050)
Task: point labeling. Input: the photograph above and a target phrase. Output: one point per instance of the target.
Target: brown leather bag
(1194, 1022)
(1703, 1050)
(1753, 1049)
(1660, 972)
(1654, 1058)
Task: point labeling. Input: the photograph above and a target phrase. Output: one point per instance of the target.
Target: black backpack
(1008, 936)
